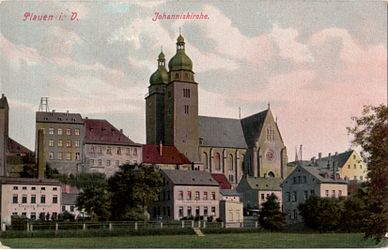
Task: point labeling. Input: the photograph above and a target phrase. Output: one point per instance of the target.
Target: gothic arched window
(205, 161)
(230, 162)
(217, 161)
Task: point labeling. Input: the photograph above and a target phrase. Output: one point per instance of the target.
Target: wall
(231, 212)
(354, 167)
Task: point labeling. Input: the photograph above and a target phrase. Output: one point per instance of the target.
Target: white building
(32, 198)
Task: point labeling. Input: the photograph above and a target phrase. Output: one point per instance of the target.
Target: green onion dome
(160, 76)
(180, 61)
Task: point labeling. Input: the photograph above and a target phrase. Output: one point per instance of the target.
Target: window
(213, 196)
(196, 195)
(205, 195)
(51, 131)
(76, 131)
(72, 208)
(91, 149)
(288, 198)
(189, 195)
(217, 161)
(213, 211)
(304, 179)
(24, 214)
(60, 143)
(127, 151)
(99, 162)
(294, 180)
(15, 188)
(299, 179)
(24, 198)
(55, 189)
(55, 199)
(33, 188)
(231, 178)
(196, 211)
(312, 192)
(295, 214)
(186, 92)
(333, 193)
(180, 211)
(293, 197)
(168, 195)
(339, 193)
(327, 193)
(24, 188)
(205, 212)
(305, 194)
(68, 156)
(108, 162)
(68, 131)
(43, 199)
(180, 195)
(33, 216)
(186, 109)
(51, 155)
(68, 144)
(59, 131)
(76, 144)
(15, 199)
(91, 162)
(188, 211)
(135, 151)
(270, 134)
(99, 150)
(349, 166)
(109, 150)
(118, 150)
(77, 156)
(51, 143)
(63, 208)
(262, 196)
(355, 166)
(33, 199)
(42, 188)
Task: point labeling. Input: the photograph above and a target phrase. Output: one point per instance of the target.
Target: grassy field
(246, 240)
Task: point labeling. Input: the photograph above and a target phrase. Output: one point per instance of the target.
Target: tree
(371, 133)
(323, 214)
(133, 188)
(270, 216)
(96, 201)
(29, 171)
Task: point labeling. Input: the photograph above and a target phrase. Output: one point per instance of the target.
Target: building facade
(106, 148)
(63, 140)
(256, 190)
(186, 194)
(306, 181)
(30, 198)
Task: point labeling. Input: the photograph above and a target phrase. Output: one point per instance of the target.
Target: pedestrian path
(198, 231)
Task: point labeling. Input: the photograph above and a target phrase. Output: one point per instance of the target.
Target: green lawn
(232, 240)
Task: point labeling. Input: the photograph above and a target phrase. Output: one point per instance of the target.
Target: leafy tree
(95, 200)
(50, 173)
(133, 188)
(354, 214)
(270, 216)
(29, 171)
(371, 133)
(323, 214)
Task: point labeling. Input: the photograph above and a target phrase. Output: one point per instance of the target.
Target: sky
(316, 62)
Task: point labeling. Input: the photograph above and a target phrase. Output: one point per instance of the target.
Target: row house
(306, 181)
(30, 198)
(106, 148)
(186, 194)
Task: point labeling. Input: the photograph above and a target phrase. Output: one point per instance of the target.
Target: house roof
(59, 117)
(69, 198)
(265, 183)
(252, 126)
(189, 178)
(102, 132)
(221, 132)
(29, 181)
(229, 192)
(16, 148)
(340, 159)
(222, 181)
(169, 155)
(321, 175)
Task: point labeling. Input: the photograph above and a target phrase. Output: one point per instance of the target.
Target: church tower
(155, 103)
(181, 104)
(4, 117)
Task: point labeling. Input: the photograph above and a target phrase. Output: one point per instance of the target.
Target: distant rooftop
(190, 178)
(265, 183)
(59, 117)
(153, 154)
(16, 148)
(222, 181)
(29, 181)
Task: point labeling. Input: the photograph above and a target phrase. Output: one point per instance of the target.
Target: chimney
(161, 148)
(319, 156)
(2, 95)
(121, 130)
(41, 156)
(313, 160)
(334, 170)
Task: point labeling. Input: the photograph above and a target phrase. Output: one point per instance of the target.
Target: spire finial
(180, 31)
(161, 48)
(269, 105)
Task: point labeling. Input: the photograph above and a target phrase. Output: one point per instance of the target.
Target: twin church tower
(172, 104)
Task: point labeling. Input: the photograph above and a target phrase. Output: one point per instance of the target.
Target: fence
(129, 225)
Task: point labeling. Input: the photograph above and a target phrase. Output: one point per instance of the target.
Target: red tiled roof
(221, 179)
(16, 148)
(102, 132)
(170, 155)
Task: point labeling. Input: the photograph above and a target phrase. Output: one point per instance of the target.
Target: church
(251, 146)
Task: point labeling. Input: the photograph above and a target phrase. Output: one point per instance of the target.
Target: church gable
(252, 127)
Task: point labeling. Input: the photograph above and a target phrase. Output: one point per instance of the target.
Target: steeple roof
(160, 76)
(180, 61)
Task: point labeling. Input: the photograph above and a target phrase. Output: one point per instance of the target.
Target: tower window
(186, 109)
(176, 75)
(186, 93)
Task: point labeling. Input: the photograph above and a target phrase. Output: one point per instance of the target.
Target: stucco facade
(29, 198)
(304, 182)
(354, 168)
